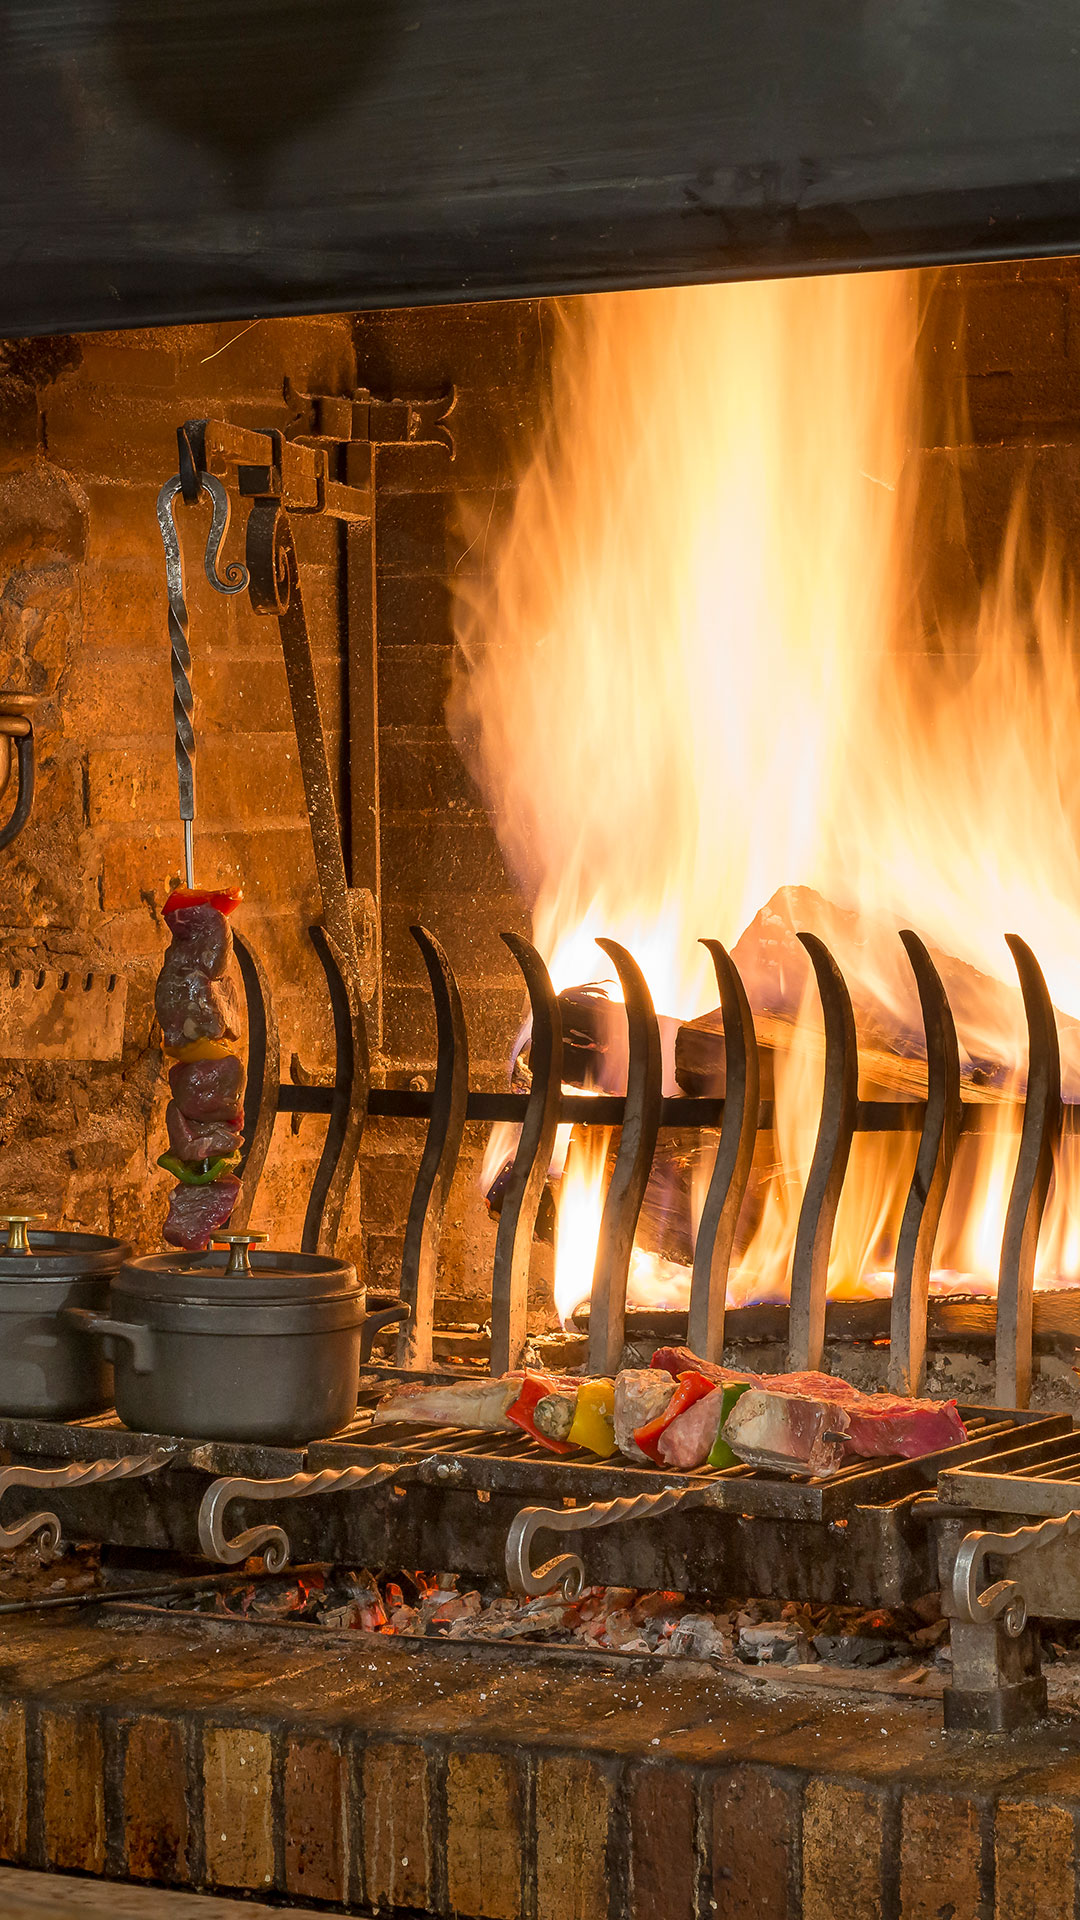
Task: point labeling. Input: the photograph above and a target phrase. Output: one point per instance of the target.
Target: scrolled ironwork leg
(78, 1473)
(567, 1570)
(997, 1681)
(273, 1541)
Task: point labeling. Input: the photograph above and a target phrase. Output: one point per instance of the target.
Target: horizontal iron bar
(606, 1109)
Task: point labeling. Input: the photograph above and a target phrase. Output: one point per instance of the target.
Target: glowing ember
(701, 676)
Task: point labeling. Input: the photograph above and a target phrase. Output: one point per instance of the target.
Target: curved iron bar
(23, 743)
(525, 1183)
(731, 1168)
(263, 1075)
(567, 1570)
(236, 576)
(439, 1158)
(1003, 1600)
(930, 1180)
(1031, 1184)
(637, 1144)
(817, 1216)
(272, 1541)
(348, 1104)
(77, 1473)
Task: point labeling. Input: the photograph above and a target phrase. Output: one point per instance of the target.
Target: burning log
(775, 971)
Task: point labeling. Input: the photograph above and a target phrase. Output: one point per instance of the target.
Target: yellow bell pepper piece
(594, 1418)
(200, 1050)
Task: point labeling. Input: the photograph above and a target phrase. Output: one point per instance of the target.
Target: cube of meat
(190, 1006)
(207, 1089)
(197, 1213)
(203, 1139)
(202, 936)
(641, 1394)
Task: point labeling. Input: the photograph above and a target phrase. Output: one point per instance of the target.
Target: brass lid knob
(238, 1244)
(16, 1224)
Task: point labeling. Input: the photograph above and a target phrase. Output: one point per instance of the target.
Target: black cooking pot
(49, 1369)
(219, 1347)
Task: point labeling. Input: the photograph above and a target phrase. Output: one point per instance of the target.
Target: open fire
(717, 689)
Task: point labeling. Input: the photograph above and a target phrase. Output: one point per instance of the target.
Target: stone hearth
(355, 1772)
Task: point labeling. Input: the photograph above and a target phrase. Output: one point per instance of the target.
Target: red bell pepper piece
(534, 1388)
(691, 1387)
(225, 899)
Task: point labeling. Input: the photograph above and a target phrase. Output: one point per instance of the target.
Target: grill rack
(441, 1498)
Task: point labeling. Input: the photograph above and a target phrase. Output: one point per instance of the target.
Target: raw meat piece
(689, 1438)
(908, 1428)
(676, 1360)
(476, 1404)
(190, 1006)
(641, 1394)
(207, 1089)
(880, 1425)
(197, 1213)
(202, 1140)
(201, 937)
(789, 1432)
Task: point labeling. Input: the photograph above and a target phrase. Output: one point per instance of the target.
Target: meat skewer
(683, 1413)
(197, 1008)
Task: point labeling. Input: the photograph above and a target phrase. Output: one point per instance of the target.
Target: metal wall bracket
(78, 1473)
(567, 1569)
(273, 1541)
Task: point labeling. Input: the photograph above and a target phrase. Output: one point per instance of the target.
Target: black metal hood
(166, 160)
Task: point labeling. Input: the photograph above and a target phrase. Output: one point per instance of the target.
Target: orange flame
(700, 676)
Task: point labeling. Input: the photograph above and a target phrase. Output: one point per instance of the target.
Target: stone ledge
(364, 1773)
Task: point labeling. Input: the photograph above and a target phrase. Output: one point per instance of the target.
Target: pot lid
(29, 1252)
(234, 1272)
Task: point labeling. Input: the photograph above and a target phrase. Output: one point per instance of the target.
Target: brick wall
(87, 434)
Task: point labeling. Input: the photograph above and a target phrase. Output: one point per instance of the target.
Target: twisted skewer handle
(234, 580)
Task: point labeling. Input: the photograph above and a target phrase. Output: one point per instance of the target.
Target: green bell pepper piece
(198, 1173)
(721, 1455)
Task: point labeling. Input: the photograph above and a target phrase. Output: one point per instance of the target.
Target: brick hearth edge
(363, 1772)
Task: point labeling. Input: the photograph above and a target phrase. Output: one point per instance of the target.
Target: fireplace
(442, 413)
(641, 722)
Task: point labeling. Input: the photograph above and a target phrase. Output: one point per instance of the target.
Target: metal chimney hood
(203, 159)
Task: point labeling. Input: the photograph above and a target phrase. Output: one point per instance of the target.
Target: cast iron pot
(49, 1368)
(214, 1347)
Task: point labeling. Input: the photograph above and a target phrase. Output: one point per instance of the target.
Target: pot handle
(139, 1339)
(375, 1322)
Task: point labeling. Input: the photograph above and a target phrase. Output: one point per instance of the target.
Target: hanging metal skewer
(191, 482)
